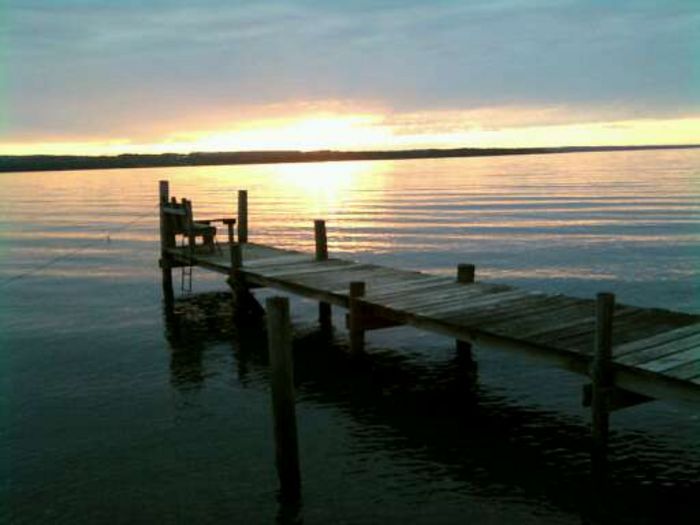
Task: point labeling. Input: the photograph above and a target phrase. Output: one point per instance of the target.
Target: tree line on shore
(79, 162)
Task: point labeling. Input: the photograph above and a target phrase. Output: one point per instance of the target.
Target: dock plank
(520, 319)
(410, 285)
(672, 360)
(416, 290)
(289, 270)
(338, 280)
(657, 340)
(629, 323)
(473, 311)
(449, 292)
(270, 262)
(377, 281)
(688, 370)
(575, 314)
(651, 353)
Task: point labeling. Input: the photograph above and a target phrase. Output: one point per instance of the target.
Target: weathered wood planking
(655, 352)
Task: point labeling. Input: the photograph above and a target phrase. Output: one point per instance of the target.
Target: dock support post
(282, 385)
(167, 240)
(242, 216)
(236, 259)
(234, 280)
(465, 275)
(325, 318)
(355, 321)
(321, 240)
(601, 378)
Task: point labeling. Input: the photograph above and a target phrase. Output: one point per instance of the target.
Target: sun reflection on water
(323, 189)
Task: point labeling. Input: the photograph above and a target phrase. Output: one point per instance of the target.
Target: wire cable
(74, 252)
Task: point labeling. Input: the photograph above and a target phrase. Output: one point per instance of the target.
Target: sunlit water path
(104, 418)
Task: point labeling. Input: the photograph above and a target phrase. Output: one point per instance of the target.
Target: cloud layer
(76, 70)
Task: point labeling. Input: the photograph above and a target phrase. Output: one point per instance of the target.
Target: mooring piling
(355, 318)
(234, 278)
(601, 375)
(167, 241)
(236, 259)
(279, 336)
(465, 275)
(321, 242)
(243, 216)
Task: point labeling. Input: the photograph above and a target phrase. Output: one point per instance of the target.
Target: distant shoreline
(15, 163)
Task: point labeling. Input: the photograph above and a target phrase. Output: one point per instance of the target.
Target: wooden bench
(179, 220)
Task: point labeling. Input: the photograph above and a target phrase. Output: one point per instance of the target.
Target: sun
(305, 134)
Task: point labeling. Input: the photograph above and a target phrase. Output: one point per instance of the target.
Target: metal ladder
(186, 276)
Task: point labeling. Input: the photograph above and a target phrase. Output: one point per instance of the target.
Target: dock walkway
(655, 352)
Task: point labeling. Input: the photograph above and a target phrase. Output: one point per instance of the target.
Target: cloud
(79, 68)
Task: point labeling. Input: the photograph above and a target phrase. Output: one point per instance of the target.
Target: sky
(115, 76)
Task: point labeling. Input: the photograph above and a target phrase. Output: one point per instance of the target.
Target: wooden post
(465, 275)
(279, 336)
(164, 196)
(601, 376)
(321, 240)
(357, 332)
(230, 223)
(242, 216)
(325, 318)
(236, 259)
(167, 284)
(234, 280)
(166, 241)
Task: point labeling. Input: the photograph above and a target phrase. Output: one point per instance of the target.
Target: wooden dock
(632, 355)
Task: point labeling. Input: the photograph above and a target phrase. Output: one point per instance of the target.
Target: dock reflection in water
(435, 416)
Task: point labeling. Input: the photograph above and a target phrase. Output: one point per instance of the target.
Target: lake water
(108, 417)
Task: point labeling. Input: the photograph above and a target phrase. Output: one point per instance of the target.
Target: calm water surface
(108, 417)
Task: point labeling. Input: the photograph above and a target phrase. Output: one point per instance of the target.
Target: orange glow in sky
(374, 131)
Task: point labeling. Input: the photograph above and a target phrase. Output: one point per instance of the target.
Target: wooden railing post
(279, 336)
(321, 241)
(242, 216)
(164, 197)
(189, 225)
(234, 279)
(465, 275)
(166, 241)
(357, 331)
(601, 376)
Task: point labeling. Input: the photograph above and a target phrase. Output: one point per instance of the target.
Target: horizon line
(39, 162)
(362, 151)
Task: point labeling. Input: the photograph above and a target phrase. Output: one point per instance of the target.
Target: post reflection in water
(435, 412)
(194, 321)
